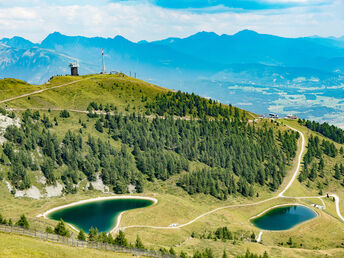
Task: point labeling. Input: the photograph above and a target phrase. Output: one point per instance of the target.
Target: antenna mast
(103, 68)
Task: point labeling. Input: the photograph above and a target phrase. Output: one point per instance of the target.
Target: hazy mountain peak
(121, 38)
(17, 42)
(204, 35)
(246, 33)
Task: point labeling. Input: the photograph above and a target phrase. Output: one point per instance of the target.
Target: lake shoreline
(261, 214)
(118, 219)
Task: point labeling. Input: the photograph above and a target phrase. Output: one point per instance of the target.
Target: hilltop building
(272, 115)
(74, 69)
(291, 117)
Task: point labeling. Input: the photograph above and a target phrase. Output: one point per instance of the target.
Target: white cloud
(146, 21)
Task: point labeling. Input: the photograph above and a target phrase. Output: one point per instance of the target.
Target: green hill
(97, 133)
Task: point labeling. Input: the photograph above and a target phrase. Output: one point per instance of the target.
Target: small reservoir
(100, 214)
(284, 217)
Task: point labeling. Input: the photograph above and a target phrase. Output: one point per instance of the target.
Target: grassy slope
(106, 89)
(30, 247)
(174, 206)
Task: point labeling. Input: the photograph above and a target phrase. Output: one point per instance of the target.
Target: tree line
(184, 104)
(330, 131)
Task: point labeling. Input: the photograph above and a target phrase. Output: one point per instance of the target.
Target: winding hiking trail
(42, 90)
(280, 195)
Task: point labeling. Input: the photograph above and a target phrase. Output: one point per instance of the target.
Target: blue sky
(157, 19)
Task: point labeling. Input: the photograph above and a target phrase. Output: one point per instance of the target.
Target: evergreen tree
(64, 114)
(81, 235)
(138, 243)
(337, 174)
(121, 239)
(61, 229)
(23, 222)
(93, 234)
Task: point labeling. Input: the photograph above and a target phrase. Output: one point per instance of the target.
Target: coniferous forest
(330, 131)
(236, 155)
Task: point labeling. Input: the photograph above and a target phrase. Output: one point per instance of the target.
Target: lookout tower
(103, 63)
(74, 69)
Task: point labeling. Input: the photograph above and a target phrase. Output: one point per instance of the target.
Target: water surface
(283, 218)
(100, 214)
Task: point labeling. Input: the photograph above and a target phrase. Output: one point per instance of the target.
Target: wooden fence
(77, 243)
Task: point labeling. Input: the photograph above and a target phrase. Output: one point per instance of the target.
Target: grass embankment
(21, 246)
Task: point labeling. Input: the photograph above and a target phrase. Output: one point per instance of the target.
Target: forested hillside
(133, 148)
(323, 162)
(330, 131)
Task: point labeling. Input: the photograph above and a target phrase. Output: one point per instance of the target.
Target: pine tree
(93, 234)
(121, 239)
(61, 229)
(23, 222)
(337, 174)
(81, 235)
(138, 243)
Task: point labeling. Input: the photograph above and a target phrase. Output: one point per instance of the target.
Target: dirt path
(42, 90)
(280, 195)
(337, 206)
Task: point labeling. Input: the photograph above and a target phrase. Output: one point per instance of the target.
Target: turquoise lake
(97, 214)
(283, 218)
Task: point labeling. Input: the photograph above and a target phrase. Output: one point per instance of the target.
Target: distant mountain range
(204, 53)
(205, 62)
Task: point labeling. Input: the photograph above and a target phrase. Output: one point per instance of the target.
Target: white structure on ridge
(103, 67)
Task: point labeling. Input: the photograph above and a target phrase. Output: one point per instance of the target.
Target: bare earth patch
(6, 121)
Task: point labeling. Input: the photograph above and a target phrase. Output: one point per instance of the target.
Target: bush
(49, 229)
(64, 114)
